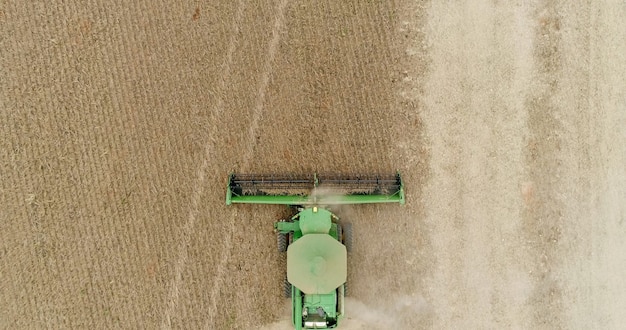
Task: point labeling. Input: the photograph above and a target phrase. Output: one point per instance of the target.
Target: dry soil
(120, 121)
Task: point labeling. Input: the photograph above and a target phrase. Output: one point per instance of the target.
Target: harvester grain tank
(317, 242)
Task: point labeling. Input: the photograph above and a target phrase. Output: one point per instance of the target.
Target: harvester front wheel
(282, 241)
(347, 236)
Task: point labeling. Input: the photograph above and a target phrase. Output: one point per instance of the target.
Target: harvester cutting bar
(314, 189)
(372, 184)
(248, 181)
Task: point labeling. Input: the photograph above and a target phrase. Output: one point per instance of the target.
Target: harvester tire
(346, 292)
(347, 236)
(282, 241)
(339, 234)
(286, 288)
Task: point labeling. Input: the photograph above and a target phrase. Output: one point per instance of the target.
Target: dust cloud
(397, 313)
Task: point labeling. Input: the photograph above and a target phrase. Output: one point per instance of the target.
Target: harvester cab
(316, 241)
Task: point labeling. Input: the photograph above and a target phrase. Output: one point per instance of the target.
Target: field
(120, 121)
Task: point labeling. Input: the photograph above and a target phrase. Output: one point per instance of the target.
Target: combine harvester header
(314, 189)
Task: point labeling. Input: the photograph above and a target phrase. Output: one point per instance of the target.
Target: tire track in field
(542, 218)
(252, 130)
(187, 230)
(265, 80)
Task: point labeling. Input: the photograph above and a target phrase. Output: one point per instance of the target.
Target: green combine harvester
(315, 240)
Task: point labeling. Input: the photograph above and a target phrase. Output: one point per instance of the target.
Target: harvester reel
(302, 190)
